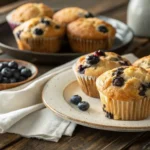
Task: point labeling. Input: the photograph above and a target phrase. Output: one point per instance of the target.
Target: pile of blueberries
(11, 72)
(77, 100)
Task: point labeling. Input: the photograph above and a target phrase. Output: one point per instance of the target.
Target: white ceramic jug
(138, 17)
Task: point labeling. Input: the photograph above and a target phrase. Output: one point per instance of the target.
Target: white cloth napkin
(22, 112)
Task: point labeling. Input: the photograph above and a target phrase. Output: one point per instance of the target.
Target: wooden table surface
(86, 138)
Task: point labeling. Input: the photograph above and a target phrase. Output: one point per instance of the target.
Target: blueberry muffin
(39, 34)
(90, 34)
(28, 11)
(144, 62)
(91, 66)
(125, 93)
(69, 14)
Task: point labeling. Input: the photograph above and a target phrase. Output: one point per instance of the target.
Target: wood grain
(8, 139)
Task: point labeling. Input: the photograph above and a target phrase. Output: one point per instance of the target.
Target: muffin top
(90, 28)
(39, 27)
(69, 14)
(144, 62)
(31, 10)
(125, 83)
(94, 64)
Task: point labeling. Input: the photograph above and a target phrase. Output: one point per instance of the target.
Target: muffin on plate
(69, 14)
(143, 62)
(28, 11)
(125, 93)
(90, 34)
(89, 67)
(39, 34)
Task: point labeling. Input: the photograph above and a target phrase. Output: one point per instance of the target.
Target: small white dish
(58, 91)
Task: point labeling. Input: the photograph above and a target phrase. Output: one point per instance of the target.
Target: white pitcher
(138, 17)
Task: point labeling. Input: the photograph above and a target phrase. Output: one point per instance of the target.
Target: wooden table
(86, 138)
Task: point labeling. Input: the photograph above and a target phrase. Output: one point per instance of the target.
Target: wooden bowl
(28, 65)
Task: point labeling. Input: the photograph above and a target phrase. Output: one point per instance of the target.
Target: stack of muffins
(124, 89)
(38, 28)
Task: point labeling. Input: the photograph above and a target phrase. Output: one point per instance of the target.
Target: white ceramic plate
(56, 95)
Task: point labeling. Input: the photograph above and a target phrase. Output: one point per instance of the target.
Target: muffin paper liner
(10, 21)
(126, 110)
(87, 46)
(87, 84)
(47, 45)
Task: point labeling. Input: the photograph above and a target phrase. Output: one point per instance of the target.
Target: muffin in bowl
(125, 93)
(28, 11)
(89, 67)
(143, 62)
(40, 34)
(90, 34)
(69, 14)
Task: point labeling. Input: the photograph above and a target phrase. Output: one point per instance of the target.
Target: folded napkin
(22, 112)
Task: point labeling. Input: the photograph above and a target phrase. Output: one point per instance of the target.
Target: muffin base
(87, 84)
(47, 45)
(123, 110)
(87, 46)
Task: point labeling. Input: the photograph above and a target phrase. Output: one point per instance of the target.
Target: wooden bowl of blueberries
(15, 72)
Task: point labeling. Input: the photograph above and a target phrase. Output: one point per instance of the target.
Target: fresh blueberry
(99, 53)
(75, 99)
(5, 64)
(5, 80)
(102, 28)
(38, 31)
(6, 72)
(26, 72)
(21, 67)
(46, 22)
(89, 15)
(1, 77)
(13, 80)
(83, 106)
(21, 78)
(57, 26)
(92, 59)
(1, 66)
(13, 65)
(118, 81)
(16, 75)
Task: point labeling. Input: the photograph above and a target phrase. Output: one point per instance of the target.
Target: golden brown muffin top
(144, 62)
(31, 10)
(39, 27)
(69, 14)
(90, 28)
(125, 83)
(96, 63)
